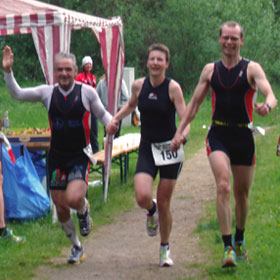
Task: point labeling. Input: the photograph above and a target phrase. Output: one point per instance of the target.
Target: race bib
(164, 156)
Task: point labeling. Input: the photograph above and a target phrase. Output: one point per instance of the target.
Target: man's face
(230, 40)
(157, 63)
(65, 72)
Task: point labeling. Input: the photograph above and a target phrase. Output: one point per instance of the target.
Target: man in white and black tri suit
(230, 144)
(158, 99)
(69, 105)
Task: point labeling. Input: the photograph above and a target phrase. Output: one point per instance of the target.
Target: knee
(223, 188)
(75, 202)
(142, 200)
(241, 196)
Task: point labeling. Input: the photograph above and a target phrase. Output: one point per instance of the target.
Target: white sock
(82, 211)
(70, 231)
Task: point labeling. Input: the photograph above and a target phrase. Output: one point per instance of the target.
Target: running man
(230, 144)
(158, 99)
(69, 105)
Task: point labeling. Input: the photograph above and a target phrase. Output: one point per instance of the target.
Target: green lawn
(45, 239)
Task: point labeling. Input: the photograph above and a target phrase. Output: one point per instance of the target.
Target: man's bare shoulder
(254, 66)
(207, 71)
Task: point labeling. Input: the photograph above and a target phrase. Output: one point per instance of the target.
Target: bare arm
(176, 96)
(193, 106)
(258, 80)
(129, 107)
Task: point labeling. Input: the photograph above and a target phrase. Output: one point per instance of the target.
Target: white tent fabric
(51, 30)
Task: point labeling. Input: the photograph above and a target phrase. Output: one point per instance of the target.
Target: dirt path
(123, 250)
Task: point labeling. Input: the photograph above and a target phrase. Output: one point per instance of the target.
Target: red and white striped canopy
(51, 30)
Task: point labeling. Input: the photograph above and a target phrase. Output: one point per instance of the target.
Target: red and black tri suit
(70, 131)
(232, 112)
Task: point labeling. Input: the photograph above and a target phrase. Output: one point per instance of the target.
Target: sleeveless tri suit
(157, 114)
(232, 114)
(69, 120)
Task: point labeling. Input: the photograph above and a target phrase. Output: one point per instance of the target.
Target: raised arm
(193, 106)
(33, 94)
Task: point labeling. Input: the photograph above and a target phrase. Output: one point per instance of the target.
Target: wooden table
(38, 142)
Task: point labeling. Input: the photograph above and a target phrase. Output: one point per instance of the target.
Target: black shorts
(237, 142)
(146, 164)
(62, 171)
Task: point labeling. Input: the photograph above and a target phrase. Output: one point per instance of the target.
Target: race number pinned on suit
(163, 155)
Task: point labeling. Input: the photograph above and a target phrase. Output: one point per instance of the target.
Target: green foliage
(188, 27)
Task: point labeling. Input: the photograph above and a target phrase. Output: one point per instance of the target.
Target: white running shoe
(77, 255)
(165, 256)
(152, 222)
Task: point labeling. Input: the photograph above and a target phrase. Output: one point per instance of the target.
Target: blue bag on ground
(24, 195)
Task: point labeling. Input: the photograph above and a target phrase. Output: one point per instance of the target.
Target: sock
(227, 240)
(70, 231)
(153, 209)
(83, 210)
(165, 245)
(239, 235)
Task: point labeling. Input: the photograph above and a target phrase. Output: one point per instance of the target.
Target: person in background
(102, 90)
(230, 143)
(5, 232)
(88, 78)
(69, 105)
(158, 99)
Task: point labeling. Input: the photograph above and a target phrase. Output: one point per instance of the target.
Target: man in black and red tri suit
(230, 144)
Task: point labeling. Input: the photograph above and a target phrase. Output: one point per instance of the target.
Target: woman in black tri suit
(158, 99)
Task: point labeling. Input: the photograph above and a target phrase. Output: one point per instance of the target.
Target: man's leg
(68, 225)
(242, 181)
(220, 165)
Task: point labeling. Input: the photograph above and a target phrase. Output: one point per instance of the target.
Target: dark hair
(232, 24)
(161, 48)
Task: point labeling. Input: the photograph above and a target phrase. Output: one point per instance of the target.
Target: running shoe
(77, 255)
(152, 223)
(240, 250)
(85, 222)
(229, 258)
(9, 235)
(165, 256)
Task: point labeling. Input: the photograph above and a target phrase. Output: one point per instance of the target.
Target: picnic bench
(122, 147)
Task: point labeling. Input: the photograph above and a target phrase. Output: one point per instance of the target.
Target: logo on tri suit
(75, 173)
(152, 96)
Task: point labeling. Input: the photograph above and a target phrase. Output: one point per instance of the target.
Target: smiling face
(231, 40)
(157, 63)
(65, 72)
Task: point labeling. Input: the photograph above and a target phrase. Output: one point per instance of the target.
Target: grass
(45, 240)
(263, 225)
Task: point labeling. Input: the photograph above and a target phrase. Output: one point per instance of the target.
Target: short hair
(66, 55)
(232, 23)
(161, 48)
